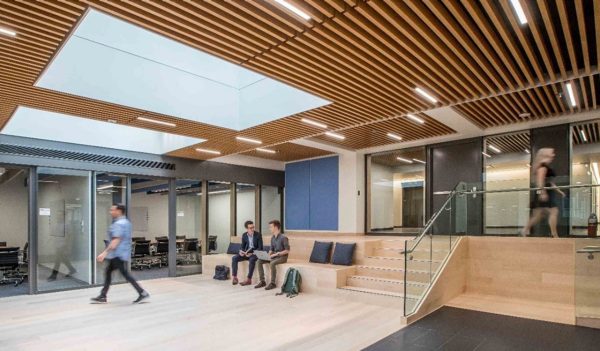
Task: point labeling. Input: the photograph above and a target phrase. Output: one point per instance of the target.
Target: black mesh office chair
(141, 255)
(161, 238)
(180, 237)
(138, 238)
(162, 252)
(9, 266)
(212, 243)
(190, 252)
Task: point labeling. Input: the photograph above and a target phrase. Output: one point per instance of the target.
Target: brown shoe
(271, 286)
(234, 281)
(246, 282)
(260, 285)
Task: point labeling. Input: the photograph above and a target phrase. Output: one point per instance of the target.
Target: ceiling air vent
(82, 156)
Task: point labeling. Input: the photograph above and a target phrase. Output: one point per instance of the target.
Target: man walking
(251, 240)
(118, 253)
(280, 248)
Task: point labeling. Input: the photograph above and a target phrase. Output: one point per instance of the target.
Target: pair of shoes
(234, 281)
(271, 286)
(144, 295)
(262, 284)
(99, 299)
(70, 274)
(246, 282)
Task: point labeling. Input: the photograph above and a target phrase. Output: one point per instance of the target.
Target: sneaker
(271, 286)
(144, 295)
(262, 284)
(234, 281)
(99, 299)
(246, 282)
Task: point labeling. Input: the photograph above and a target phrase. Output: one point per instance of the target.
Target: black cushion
(234, 248)
(343, 253)
(320, 252)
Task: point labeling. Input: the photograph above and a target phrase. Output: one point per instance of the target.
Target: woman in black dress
(545, 201)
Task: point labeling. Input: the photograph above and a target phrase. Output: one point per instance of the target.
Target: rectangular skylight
(112, 60)
(40, 124)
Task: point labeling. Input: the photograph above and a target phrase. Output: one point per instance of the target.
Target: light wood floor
(191, 313)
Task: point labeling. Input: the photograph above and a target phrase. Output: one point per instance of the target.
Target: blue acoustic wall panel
(324, 177)
(297, 195)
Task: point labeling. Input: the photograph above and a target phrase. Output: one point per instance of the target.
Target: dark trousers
(117, 263)
(237, 258)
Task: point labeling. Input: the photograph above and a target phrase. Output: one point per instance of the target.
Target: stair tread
(402, 258)
(392, 269)
(377, 292)
(386, 280)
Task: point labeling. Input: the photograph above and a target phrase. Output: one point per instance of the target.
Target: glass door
(587, 282)
(64, 254)
(189, 227)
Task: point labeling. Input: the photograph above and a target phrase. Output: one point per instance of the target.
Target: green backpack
(291, 285)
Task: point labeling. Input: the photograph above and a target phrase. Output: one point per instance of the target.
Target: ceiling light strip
(495, 149)
(8, 32)
(294, 9)
(268, 151)
(150, 120)
(519, 11)
(420, 161)
(314, 123)
(335, 135)
(426, 95)
(415, 119)
(583, 135)
(404, 159)
(394, 136)
(248, 140)
(571, 95)
(486, 154)
(207, 151)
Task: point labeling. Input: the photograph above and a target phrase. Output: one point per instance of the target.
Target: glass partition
(396, 191)
(270, 206)
(219, 216)
(189, 227)
(245, 206)
(64, 239)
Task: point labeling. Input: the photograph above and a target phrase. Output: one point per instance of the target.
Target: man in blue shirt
(118, 253)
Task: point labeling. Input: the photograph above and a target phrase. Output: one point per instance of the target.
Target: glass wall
(396, 191)
(189, 226)
(245, 206)
(219, 216)
(507, 166)
(270, 206)
(64, 239)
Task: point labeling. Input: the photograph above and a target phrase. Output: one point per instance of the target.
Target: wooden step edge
(402, 259)
(387, 280)
(418, 271)
(378, 292)
(401, 251)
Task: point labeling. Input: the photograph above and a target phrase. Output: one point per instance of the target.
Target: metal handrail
(471, 192)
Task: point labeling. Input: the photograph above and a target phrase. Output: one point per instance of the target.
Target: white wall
(382, 196)
(271, 207)
(219, 209)
(246, 209)
(14, 211)
(511, 208)
(189, 218)
(158, 214)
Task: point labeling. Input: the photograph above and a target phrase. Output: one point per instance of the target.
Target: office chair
(180, 237)
(141, 255)
(162, 252)
(138, 238)
(2, 243)
(190, 252)
(9, 267)
(161, 238)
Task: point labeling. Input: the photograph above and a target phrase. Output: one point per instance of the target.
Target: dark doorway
(412, 207)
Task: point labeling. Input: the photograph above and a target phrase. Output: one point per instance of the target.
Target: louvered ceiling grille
(507, 143)
(365, 56)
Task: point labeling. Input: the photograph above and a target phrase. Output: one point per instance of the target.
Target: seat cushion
(234, 248)
(321, 251)
(343, 253)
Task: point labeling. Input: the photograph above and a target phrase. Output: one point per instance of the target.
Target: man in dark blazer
(251, 240)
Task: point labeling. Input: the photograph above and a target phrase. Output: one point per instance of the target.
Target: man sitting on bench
(251, 240)
(280, 248)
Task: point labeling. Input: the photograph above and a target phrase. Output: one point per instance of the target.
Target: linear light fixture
(109, 186)
(207, 151)
(420, 161)
(268, 151)
(314, 123)
(404, 159)
(596, 173)
(394, 136)
(571, 94)
(415, 119)
(583, 136)
(155, 121)
(426, 95)
(248, 140)
(294, 9)
(8, 32)
(335, 135)
(486, 154)
(519, 11)
(527, 151)
(495, 149)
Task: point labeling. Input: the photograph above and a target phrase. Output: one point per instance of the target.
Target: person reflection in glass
(545, 201)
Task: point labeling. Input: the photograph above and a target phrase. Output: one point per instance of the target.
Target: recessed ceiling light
(266, 150)
(571, 94)
(527, 151)
(404, 159)
(415, 119)
(314, 123)
(519, 11)
(207, 151)
(111, 121)
(524, 114)
(150, 120)
(486, 154)
(495, 149)
(394, 136)
(335, 135)
(294, 9)
(8, 32)
(583, 136)
(248, 140)
(426, 95)
(420, 161)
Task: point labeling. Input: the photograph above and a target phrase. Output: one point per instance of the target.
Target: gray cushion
(320, 252)
(343, 253)
(234, 248)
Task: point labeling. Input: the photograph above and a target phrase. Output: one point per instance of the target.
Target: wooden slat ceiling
(390, 159)
(591, 130)
(508, 143)
(365, 56)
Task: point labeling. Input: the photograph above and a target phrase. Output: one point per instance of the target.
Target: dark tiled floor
(464, 330)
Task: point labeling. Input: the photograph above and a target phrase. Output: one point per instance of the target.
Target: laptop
(262, 255)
